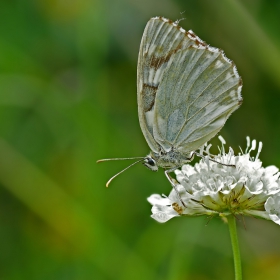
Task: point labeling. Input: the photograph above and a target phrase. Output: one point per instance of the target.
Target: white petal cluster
(238, 186)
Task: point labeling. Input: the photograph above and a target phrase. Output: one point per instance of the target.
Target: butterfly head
(150, 163)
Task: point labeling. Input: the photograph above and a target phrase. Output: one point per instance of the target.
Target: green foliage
(68, 98)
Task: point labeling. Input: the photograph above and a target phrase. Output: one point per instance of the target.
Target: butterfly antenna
(107, 184)
(109, 159)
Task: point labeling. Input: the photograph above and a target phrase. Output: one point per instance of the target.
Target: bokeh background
(68, 98)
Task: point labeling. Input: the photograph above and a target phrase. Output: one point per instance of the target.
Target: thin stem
(235, 247)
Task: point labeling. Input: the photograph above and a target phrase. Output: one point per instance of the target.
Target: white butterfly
(186, 90)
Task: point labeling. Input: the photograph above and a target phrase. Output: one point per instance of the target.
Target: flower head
(231, 184)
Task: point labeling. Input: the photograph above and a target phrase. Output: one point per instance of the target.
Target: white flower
(238, 186)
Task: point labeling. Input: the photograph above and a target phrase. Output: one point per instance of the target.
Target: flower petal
(156, 199)
(272, 206)
(163, 214)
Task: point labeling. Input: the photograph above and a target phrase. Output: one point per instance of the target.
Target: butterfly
(186, 90)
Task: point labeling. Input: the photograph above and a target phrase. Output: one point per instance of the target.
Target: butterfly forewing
(186, 89)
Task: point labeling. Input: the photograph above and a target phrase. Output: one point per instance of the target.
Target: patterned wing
(160, 41)
(198, 91)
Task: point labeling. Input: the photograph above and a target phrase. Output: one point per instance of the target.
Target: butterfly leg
(174, 183)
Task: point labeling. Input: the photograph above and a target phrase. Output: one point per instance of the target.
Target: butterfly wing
(198, 91)
(161, 40)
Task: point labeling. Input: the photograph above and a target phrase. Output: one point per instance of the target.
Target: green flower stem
(235, 247)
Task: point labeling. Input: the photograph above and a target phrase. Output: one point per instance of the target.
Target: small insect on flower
(186, 90)
(210, 188)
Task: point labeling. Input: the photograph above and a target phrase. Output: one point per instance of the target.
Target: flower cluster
(223, 185)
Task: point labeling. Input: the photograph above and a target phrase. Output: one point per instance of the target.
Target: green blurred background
(68, 98)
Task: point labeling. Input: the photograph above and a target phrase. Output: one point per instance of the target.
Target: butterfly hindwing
(198, 92)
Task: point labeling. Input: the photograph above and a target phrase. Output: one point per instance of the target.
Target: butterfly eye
(151, 163)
